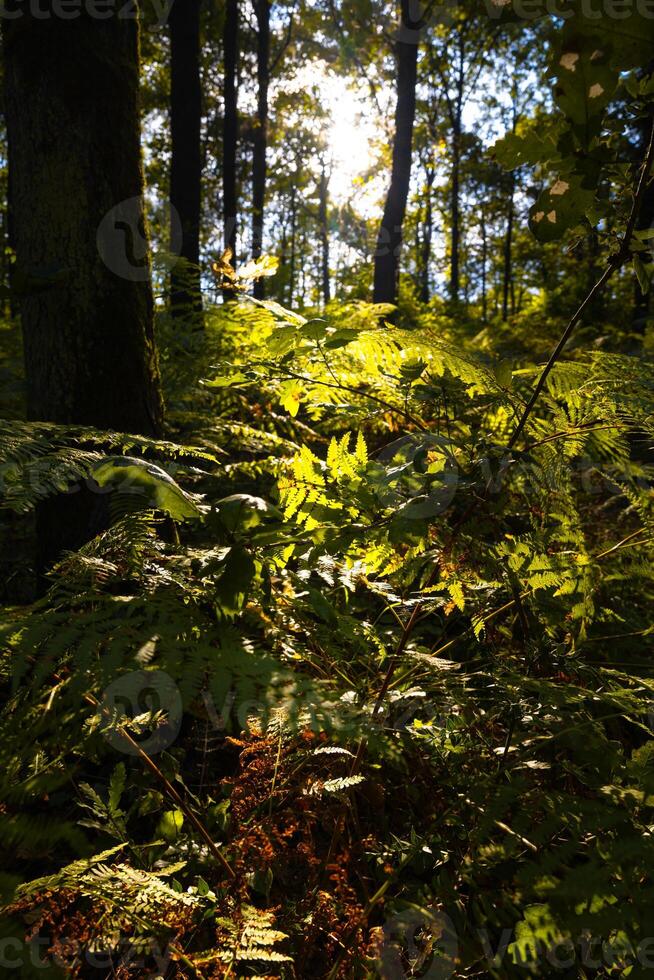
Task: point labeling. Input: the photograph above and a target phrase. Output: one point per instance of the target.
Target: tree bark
(82, 271)
(186, 158)
(455, 220)
(260, 139)
(324, 236)
(507, 280)
(291, 274)
(484, 262)
(389, 241)
(230, 125)
(643, 300)
(428, 233)
(77, 198)
(455, 197)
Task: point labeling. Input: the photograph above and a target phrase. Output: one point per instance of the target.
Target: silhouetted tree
(389, 241)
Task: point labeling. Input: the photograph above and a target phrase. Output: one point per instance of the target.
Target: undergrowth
(343, 687)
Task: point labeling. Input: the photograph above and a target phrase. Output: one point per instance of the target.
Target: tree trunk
(186, 158)
(455, 196)
(77, 197)
(507, 281)
(389, 241)
(642, 300)
(324, 236)
(455, 219)
(291, 274)
(260, 141)
(428, 232)
(455, 210)
(230, 126)
(484, 262)
(10, 242)
(82, 271)
(5, 274)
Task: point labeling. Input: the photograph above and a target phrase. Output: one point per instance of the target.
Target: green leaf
(503, 372)
(322, 607)
(526, 147)
(233, 586)
(116, 786)
(586, 80)
(314, 329)
(340, 338)
(282, 339)
(242, 511)
(627, 31)
(170, 825)
(149, 484)
(227, 381)
(561, 207)
(411, 370)
(290, 397)
(642, 274)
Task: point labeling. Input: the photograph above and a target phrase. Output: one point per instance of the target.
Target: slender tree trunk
(81, 242)
(303, 269)
(186, 158)
(291, 275)
(260, 144)
(324, 236)
(282, 278)
(455, 231)
(507, 279)
(389, 241)
(484, 262)
(428, 233)
(455, 195)
(521, 296)
(230, 125)
(455, 214)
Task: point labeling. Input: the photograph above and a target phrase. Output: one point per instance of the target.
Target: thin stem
(615, 262)
(170, 791)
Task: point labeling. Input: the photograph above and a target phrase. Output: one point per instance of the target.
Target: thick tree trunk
(230, 126)
(77, 198)
(186, 157)
(324, 236)
(82, 270)
(643, 300)
(10, 245)
(260, 141)
(389, 241)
